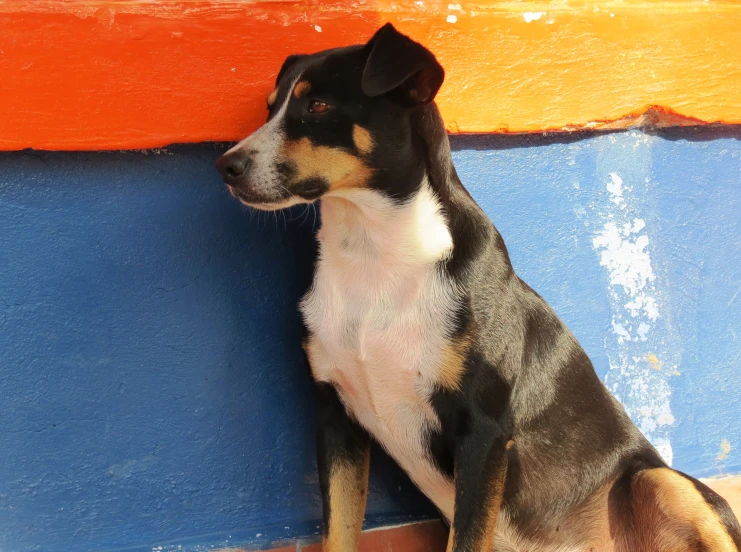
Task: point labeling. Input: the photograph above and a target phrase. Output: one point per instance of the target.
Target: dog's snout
(233, 165)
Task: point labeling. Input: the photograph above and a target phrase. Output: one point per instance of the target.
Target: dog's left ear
(398, 65)
(290, 61)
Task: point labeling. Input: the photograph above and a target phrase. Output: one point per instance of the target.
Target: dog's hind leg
(672, 512)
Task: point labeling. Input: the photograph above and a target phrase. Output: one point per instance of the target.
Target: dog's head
(338, 120)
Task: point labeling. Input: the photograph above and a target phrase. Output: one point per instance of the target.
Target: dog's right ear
(287, 65)
(398, 65)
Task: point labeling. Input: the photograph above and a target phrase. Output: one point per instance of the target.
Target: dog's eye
(315, 106)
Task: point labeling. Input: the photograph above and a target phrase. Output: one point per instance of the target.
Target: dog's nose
(234, 164)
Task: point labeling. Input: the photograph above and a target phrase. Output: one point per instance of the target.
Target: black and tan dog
(420, 335)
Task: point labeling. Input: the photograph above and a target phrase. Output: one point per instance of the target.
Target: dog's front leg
(480, 472)
(343, 458)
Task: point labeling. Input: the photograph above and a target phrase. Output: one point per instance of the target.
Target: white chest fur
(378, 314)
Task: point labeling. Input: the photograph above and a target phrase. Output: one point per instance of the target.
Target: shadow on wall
(152, 386)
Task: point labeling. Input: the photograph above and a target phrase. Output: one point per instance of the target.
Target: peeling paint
(639, 347)
(452, 19)
(623, 251)
(615, 187)
(654, 361)
(725, 450)
(532, 16)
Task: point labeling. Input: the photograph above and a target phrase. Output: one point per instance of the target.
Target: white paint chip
(615, 187)
(641, 350)
(452, 19)
(317, 28)
(620, 331)
(626, 259)
(532, 16)
(455, 7)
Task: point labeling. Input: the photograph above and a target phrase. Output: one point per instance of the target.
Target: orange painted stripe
(133, 74)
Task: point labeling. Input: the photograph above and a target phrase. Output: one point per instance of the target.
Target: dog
(419, 334)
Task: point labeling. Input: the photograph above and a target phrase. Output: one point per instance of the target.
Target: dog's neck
(440, 222)
(365, 226)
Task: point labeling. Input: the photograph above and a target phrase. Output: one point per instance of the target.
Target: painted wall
(151, 387)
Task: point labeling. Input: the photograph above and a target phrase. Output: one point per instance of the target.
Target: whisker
(306, 214)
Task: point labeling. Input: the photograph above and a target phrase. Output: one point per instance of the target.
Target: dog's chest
(378, 315)
(379, 341)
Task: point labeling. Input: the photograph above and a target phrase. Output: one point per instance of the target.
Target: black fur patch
(311, 188)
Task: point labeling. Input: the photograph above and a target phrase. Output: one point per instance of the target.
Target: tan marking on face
(671, 514)
(348, 493)
(301, 89)
(271, 98)
(338, 167)
(452, 364)
(363, 139)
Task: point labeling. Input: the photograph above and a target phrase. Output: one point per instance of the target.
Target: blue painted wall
(151, 390)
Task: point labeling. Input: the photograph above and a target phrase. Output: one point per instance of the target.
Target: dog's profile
(420, 335)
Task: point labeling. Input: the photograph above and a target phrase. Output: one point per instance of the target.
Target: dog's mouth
(305, 191)
(263, 203)
(236, 193)
(249, 196)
